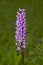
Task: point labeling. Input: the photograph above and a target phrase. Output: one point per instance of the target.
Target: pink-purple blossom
(20, 29)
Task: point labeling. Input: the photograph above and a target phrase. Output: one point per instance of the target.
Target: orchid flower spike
(20, 29)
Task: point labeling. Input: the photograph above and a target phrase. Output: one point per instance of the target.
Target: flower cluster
(20, 29)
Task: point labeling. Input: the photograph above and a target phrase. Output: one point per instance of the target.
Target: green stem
(22, 54)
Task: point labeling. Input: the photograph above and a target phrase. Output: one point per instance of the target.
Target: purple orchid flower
(20, 29)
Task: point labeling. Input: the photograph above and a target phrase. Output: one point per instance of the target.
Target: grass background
(34, 38)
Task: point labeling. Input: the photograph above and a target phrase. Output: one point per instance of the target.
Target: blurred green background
(34, 38)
